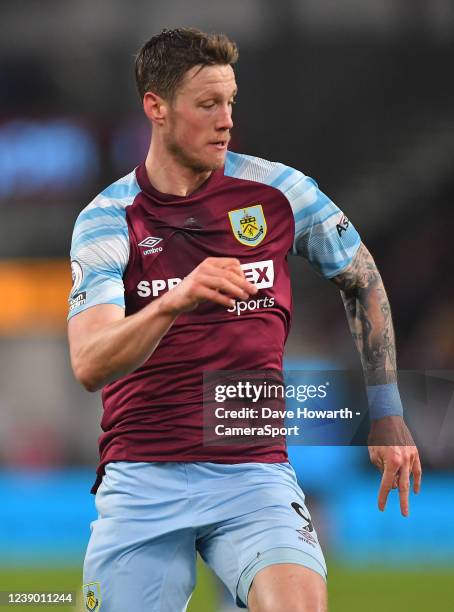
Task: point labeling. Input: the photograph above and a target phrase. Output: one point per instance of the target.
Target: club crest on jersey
(92, 596)
(248, 224)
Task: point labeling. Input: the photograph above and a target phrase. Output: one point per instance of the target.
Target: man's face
(199, 118)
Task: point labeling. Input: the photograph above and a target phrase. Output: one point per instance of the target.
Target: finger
(417, 474)
(222, 263)
(211, 295)
(385, 486)
(219, 266)
(214, 270)
(404, 488)
(376, 458)
(241, 278)
(225, 285)
(395, 482)
(232, 278)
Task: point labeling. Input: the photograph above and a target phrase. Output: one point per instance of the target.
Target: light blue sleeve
(323, 234)
(100, 248)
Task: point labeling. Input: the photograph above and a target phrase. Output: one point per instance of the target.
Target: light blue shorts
(154, 517)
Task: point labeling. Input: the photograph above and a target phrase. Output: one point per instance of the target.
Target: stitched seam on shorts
(235, 556)
(189, 495)
(280, 548)
(164, 582)
(276, 563)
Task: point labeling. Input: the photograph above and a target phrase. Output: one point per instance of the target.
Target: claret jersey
(132, 243)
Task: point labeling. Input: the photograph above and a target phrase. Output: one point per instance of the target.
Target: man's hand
(105, 344)
(216, 279)
(391, 446)
(393, 451)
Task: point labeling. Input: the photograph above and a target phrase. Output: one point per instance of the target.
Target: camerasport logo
(151, 245)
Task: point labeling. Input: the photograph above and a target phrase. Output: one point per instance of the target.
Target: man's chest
(168, 241)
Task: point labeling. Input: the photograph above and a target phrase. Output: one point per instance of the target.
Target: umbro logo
(151, 243)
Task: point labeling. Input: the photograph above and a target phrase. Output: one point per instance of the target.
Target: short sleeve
(99, 255)
(323, 234)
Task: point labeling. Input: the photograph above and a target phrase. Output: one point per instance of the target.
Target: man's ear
(154, 108)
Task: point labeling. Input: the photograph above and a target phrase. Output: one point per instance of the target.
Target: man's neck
(168, 176)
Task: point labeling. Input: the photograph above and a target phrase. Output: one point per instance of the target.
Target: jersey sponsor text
(259, 273)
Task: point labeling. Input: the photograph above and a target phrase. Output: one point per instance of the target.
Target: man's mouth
(220, 144)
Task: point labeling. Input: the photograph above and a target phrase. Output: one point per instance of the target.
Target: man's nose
(224, 121)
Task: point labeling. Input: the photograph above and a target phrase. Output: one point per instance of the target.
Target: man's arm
(391, 446)
(369, 317)
(104, 344)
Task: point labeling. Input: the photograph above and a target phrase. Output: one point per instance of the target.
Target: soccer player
(180, 267)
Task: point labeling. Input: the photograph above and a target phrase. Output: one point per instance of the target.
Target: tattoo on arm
(369, 317)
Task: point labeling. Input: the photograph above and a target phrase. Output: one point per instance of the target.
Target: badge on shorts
(248, 224)
(92, 596)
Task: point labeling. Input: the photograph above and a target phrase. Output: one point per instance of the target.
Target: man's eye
(208, 105)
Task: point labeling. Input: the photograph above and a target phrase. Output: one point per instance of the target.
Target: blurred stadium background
(356, 94)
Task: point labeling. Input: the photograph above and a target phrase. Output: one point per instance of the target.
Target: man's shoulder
(290, 181)
(113, 200)
(105, 216)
